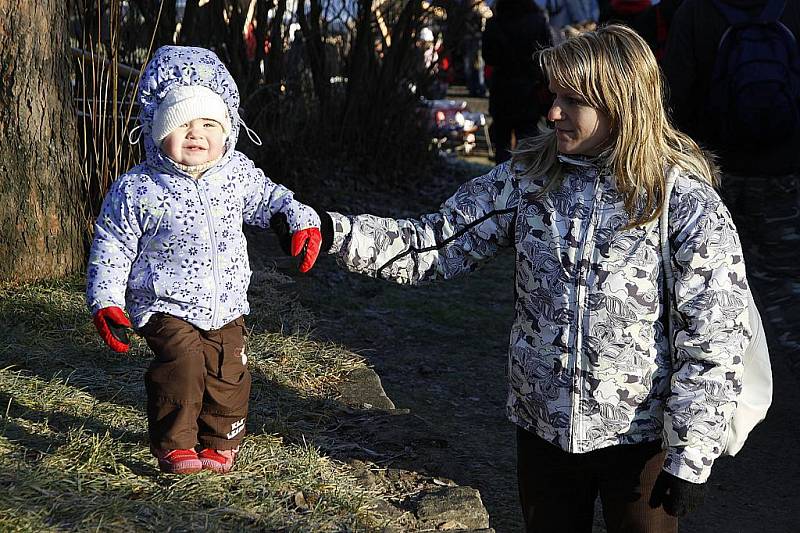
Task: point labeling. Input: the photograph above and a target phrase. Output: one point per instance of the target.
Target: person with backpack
(517, 30)
(733, 70)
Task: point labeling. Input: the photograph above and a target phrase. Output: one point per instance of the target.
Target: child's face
(196, 142)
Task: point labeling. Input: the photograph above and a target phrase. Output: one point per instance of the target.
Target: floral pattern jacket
(589, 363)
(166, 242)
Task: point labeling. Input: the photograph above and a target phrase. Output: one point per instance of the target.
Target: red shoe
(177, 461)
(220, 461)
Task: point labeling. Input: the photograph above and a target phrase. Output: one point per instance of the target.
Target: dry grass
(73, 437)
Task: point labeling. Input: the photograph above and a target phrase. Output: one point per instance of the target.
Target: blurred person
(429, 76)
(759, 155)
(653, 25)
(569, 17)
(516, 31)
(426, 42)
(473, 63)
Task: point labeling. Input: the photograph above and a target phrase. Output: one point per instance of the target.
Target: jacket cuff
(302, 217)
(341, 231)
(96, 304)
(689, 464)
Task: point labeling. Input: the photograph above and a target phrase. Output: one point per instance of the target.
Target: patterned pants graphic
(766, 210)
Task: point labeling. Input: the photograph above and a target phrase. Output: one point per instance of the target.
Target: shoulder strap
(663, 229)
(773, 9)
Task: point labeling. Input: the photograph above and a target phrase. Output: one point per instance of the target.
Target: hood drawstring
(250, 133)
(580, 161)
(136, 130)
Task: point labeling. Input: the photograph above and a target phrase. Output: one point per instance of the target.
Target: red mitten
(113, 325)
(306, 244)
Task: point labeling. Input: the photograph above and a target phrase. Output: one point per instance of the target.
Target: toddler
(169, 249)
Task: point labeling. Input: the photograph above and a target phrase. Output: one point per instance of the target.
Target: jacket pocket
(233, 364)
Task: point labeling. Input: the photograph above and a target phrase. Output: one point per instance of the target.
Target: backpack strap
(772, 11)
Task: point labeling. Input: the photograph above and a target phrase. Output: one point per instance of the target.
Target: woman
(601, 404)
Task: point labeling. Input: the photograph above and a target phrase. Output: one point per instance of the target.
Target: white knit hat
(186, 103)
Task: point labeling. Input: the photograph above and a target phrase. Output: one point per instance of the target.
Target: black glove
(280, 225)
(678, 496)
(326, 228)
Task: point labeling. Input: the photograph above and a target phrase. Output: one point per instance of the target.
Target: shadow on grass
(440, 350)
(58, 384)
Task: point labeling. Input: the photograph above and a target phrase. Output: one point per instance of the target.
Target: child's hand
(306, 244)
(113, 326)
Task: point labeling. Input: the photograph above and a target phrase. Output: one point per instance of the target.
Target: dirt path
(440, 351)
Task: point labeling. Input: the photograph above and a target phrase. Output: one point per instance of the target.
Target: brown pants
(197, 386)
(558, 489)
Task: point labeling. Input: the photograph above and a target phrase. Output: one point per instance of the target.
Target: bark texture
(42, 192)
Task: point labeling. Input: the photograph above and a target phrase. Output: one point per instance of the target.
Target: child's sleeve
(468, 229)
(264, 199)
(114, 248)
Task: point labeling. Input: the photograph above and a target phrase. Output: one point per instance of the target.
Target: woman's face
(580, 128)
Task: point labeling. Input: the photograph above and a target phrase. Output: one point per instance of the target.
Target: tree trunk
(43, 195)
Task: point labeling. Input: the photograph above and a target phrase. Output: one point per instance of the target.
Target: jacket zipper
(587, 247)
(205, 202)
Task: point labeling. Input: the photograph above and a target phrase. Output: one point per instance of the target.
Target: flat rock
(362, 389)
(452, 506)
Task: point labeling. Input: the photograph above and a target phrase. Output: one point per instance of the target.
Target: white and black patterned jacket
(589, 364)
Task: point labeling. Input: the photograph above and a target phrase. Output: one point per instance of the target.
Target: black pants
(198, 385)
(558, 489)
(500, 133)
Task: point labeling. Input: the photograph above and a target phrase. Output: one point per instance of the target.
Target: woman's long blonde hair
(614, 70)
